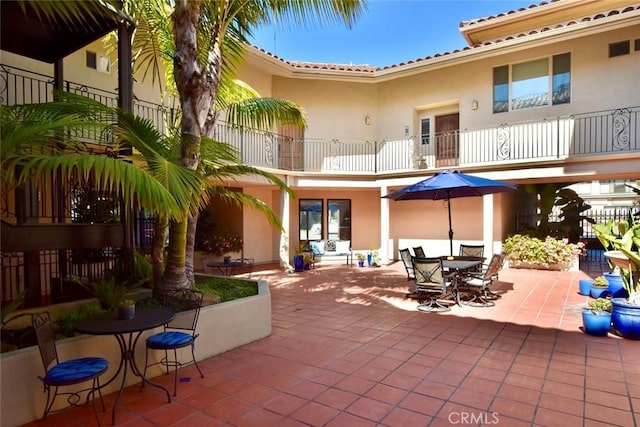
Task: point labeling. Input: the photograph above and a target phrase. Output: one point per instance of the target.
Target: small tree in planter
(596, 318)
(624, 240)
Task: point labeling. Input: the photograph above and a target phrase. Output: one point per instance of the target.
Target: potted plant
(596, 318)
(599, 287)
(622, 245)
(126, 309)
(361, 257)
(308, 260)
(585, 286)
(298, 257)
(107, 290)
(607, 234)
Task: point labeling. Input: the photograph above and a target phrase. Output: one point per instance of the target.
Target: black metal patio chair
(177, 334)
(405, 256)
(67, 373)
(432, 283)
(478, 283)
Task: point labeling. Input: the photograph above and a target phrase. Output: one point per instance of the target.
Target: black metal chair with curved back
(432, 282)
(177, 334)
(418, 252)
(405, 256)
(67, 373)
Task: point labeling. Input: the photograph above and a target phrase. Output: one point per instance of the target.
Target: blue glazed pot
(585, 286)
(616, 286)
(298, 262)
(625, 318)
(596, 324)
(599, 292)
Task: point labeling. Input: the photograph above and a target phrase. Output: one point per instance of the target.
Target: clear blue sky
(388, 33)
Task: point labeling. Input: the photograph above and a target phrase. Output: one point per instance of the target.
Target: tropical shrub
(545, 253)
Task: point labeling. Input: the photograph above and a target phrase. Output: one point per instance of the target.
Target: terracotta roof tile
(500, 15)
(371, 69)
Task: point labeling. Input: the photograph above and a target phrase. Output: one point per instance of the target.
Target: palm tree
(36, 142)
(203, 40)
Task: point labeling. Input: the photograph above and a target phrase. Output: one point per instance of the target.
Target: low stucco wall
(221, 327)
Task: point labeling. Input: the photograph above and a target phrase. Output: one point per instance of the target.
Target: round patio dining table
(459, 265)
(127, 332)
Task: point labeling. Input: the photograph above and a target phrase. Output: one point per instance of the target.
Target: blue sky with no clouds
(388, 33)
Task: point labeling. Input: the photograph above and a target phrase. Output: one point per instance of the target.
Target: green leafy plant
(546, 253)
(108, 292)
(13, 305)
(622, 246)
(600, 282)
(600, 305)
(360, 256)
(66, 322)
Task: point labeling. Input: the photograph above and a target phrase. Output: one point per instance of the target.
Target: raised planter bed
(222, 327)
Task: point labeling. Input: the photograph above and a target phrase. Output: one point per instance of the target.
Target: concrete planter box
(222, 327)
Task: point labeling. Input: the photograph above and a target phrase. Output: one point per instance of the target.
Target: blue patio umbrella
(448, 185)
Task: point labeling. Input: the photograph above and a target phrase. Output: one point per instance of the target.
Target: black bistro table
(459, 266)
(228, 268)
(127, 333)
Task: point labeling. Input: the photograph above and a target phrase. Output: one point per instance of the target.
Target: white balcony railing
(595, 133)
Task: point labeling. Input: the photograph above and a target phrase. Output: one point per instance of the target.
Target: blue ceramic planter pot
(625, 318)
(298, 262)
(616, 286)
(585, 286)
(596, 324)
(599, 292)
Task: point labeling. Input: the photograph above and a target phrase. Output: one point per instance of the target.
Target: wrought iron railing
(604, 132)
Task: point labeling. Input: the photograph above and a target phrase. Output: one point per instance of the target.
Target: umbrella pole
(450, 228)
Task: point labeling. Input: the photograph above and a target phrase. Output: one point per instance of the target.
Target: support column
(487, 224)
(386, 248)
(285, 217)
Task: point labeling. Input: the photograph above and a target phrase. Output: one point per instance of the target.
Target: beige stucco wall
(260, 238)
(221, 327)
(334, 109)
(337, 109)
(365, 214)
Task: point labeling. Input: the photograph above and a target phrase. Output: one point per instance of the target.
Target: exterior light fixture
(367, 120)
(474, 105)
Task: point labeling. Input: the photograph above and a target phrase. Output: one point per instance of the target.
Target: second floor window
(545, 81)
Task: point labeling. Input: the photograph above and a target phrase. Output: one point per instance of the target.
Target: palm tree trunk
(197, 87)
(157, 248)
(190, 245)
(175, 271)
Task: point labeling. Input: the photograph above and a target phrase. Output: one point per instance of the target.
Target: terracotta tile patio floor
(348, 349)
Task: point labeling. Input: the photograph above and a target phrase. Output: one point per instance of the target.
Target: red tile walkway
(348, 349)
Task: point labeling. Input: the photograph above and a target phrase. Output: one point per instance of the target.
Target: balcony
(608, 132)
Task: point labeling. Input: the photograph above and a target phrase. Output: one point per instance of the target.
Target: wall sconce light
(367, 120)
(406, 130)
(474, 105)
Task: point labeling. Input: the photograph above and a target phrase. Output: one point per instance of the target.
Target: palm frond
(244, 199)
(266, 113)
(109, 174)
